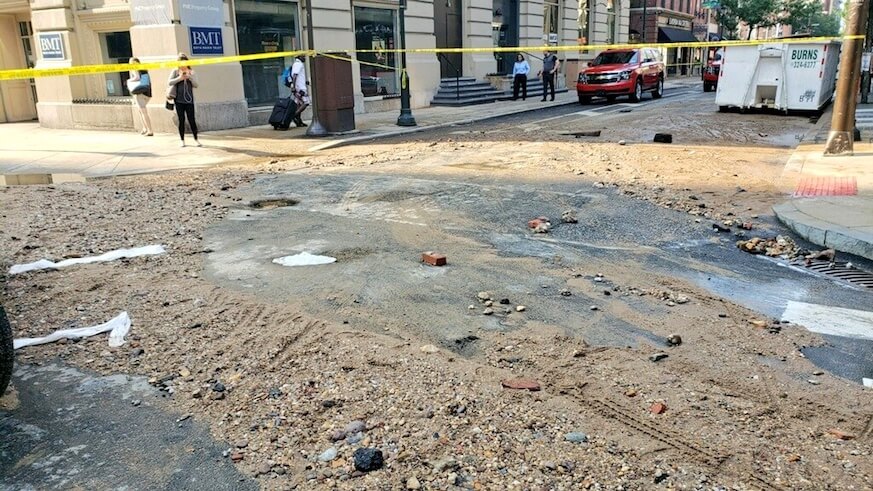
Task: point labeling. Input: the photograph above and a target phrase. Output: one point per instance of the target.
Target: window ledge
(109, 100)
(381, 97)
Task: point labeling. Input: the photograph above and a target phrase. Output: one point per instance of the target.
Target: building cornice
(14, 7)
(105, 15)
(660, 10)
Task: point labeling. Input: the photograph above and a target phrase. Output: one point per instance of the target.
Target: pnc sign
(52, 46)
(206, 41)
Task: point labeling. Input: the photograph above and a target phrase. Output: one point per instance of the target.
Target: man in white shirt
(299, 88)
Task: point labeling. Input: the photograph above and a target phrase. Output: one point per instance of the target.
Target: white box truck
(781, 76)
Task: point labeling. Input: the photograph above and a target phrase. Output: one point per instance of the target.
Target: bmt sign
(206, 41)
(52, 46)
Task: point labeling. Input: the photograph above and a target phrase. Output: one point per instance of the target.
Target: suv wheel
(638, 92)
(584, 99)
(659, 89)
(7, 355)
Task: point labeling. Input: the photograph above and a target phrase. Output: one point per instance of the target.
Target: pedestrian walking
(299, 88)
(549, 73)
(184, 81)
(519, 77)
(139, 84)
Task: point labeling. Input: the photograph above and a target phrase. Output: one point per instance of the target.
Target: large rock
(368, 459)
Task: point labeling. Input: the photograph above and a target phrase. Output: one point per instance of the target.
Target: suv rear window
(616, 58)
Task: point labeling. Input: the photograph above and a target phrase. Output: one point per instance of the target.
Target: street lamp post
(405, 118)
(315, 127)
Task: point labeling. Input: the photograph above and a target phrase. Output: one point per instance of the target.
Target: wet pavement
(67, 429)
(377, 227)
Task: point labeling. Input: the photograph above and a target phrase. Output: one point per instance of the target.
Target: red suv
(618, 72)
(711, 72)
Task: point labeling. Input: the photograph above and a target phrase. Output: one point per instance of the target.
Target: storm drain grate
(839, 270)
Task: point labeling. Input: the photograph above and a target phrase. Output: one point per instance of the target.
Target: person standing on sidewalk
(139, 84)
(519, 77)
(549, 72)
(185, 81)
(299, 88)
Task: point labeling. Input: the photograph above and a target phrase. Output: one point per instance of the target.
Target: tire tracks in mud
(698, 452)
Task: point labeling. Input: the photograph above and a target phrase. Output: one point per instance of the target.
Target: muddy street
(634, 346)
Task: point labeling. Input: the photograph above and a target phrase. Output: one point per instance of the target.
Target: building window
(584, 19)
(25, 29)
(266, 27)
(611, 16)
(375, 31)
(115, 47)
(550, 21)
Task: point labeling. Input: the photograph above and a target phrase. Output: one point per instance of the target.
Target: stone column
(334, 31)
(53, 23)
(424, 69)
(477, 16)
(220, 98)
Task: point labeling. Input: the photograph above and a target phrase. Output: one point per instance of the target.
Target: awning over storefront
(673, 35)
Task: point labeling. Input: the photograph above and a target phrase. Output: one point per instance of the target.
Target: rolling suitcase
(283, 113)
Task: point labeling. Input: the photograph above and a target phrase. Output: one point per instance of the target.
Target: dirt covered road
(296, 369)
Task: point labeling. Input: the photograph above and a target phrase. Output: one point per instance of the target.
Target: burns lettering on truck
(804, 57)
(804, 54)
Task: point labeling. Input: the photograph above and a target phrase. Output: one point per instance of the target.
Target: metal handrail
(457, 75)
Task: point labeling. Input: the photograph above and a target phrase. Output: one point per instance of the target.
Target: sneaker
(197, 142)
(150, 134)
(182, 144)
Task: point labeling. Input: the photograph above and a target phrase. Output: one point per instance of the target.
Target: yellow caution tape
(98, 69)
(26, 73)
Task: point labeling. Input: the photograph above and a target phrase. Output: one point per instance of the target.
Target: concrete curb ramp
(815, 219)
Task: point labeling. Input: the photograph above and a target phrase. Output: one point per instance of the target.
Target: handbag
(140, 86)
(171, 98)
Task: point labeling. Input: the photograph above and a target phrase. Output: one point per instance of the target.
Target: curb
(419, 129)
(684, 83)
(825, 234)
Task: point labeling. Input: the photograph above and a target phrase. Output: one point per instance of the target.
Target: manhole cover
(839, 270)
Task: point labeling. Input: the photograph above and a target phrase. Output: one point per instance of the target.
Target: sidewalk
(29, 149)
(831, 200)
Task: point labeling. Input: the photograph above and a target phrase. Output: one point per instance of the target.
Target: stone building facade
(66, 33)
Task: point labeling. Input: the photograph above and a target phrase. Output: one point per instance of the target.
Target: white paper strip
(150, 250)
(304, 259)
(118, 327)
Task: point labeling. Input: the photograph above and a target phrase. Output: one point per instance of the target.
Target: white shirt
(299, 69)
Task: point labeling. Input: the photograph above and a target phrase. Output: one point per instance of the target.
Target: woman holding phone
(184, 81)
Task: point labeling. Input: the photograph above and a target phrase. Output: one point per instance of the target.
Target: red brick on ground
(434, 258)
(658, 408)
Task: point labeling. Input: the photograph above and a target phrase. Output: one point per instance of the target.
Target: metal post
(405, 118)
(645, 20)
(315, 127)
(868, 46)
(841, 136)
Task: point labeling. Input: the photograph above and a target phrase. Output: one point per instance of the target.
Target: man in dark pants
(549, 72)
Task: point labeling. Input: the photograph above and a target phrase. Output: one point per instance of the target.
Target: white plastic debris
(117, 327)
(868, 382)
(150, 250)
(304, 259)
